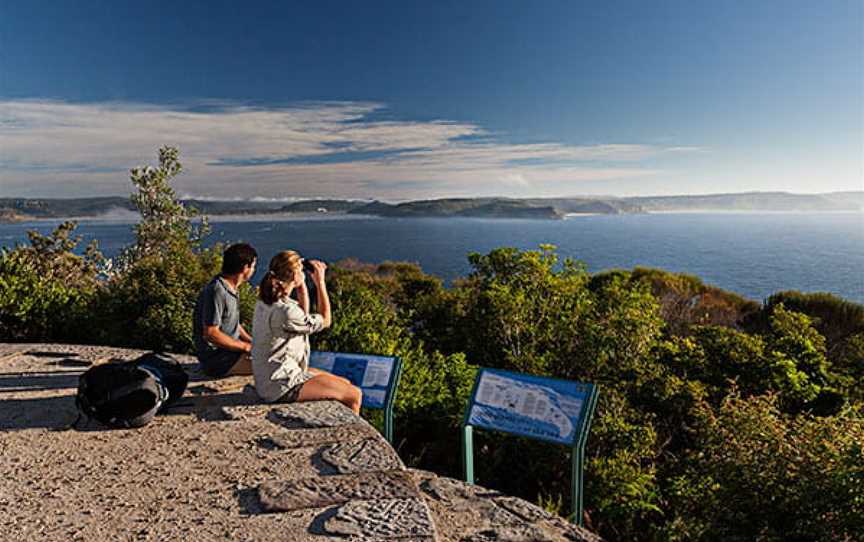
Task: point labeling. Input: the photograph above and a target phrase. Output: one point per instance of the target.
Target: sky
(408, 100)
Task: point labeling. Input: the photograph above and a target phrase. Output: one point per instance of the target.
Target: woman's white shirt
(280, 346)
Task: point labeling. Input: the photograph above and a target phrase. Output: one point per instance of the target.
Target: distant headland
(22, 209)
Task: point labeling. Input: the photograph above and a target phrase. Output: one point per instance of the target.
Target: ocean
(752, 254)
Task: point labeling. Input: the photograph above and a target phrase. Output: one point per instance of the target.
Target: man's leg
(243, 366)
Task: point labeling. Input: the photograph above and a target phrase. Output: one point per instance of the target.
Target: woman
(280, 337)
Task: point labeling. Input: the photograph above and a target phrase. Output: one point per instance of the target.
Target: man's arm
(244, 335)
(214, 335)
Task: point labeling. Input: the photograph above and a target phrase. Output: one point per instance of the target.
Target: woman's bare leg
(323, 372)
(327, 386)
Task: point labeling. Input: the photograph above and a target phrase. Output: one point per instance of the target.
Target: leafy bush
(686, 301)
(528, 311)
(46, 289)
(150, 304)
(840, 322)
(759, 474)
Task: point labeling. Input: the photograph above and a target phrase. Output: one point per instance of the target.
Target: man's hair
(236, 257)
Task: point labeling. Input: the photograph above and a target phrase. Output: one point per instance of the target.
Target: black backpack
(130, 393)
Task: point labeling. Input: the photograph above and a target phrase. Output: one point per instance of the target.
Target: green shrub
(759, 474)
(150, 304)
(621, 485)
(686, 301)
(46, 290)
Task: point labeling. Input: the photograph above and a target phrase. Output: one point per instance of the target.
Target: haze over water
(752, 254)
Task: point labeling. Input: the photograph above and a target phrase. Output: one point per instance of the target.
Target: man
(222, 344)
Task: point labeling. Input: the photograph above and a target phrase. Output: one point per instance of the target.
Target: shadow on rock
(52, 413)
(320, 521)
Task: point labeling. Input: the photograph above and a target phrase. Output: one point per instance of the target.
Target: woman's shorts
(293, 392)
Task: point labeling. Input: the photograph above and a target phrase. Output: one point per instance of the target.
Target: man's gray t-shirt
(218, 305)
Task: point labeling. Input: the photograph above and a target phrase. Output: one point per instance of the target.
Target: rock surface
(220, 465)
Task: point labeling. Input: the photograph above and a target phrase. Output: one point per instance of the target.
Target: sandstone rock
(221, 466)
(313, 414)
(330, 490)
(382, 520)
(361, 456)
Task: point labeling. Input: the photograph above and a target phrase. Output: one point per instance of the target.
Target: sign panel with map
(532, 406)
(372, 374)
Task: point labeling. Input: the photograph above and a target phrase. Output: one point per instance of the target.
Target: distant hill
(461, 207)
(61, 208)
(846, 198)
(17, 209)
(588, 205)
(322, 205)
(753, 201)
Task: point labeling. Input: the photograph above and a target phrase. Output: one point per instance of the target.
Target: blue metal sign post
(377, 376)
(549, 409)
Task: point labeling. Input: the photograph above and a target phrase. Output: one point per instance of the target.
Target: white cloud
(51, 148)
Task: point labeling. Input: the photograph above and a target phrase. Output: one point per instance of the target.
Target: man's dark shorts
(218, 363)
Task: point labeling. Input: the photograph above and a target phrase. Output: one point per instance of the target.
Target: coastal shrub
(621, 484)
(515, 310)
(756, 473)
(527, 311)
(46, 290)
(835, 318)
(685, 300)
(150, 304)
(788, 360)
(523, 311)
(840, 322)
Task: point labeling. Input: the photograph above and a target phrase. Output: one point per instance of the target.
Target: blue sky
(399, 100)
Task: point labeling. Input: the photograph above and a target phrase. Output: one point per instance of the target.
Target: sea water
(752, 254)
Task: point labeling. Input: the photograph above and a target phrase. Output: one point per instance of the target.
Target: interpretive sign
(543, 408)
(376, 376)
(528, 405)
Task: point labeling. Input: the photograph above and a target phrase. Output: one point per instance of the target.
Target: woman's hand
(319, 269)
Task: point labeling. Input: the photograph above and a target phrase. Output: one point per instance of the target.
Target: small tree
(165, 221)
(150, 302)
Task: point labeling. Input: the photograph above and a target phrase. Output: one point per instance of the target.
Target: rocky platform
(222, 466)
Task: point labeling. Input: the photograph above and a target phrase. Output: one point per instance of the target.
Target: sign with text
(374, 375)
(532, 406)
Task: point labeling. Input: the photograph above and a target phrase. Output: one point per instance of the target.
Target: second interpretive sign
(532, 406)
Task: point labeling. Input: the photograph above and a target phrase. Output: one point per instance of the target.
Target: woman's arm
(319, 269)
(303, 296)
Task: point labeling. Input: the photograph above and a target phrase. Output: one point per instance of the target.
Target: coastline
(132, 218)
(752, 212)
